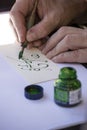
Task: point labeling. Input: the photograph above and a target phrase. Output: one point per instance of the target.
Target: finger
(41, 47)
(40, 30)
(76, 56)
(19, 25)
(14, 31)
(62, 46)
(37, 43)
(17, 16)
(70, 42)
(58, 36)
(43, 43)
(30, 45)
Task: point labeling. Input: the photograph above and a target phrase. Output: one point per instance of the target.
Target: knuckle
(62, 30)
(76, 54)
(12, 13)
(68, 39)
(72, 56)
(55, 50)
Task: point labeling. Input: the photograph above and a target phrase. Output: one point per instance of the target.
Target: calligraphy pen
(30, 23)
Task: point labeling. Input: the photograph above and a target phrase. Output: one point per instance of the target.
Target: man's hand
(52, 15)
(68, 44)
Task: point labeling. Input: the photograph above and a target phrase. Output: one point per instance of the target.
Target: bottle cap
(33, 92)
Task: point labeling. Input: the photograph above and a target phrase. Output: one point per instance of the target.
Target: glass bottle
(67, 88)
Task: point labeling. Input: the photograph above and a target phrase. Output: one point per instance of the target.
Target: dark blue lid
(33, 92)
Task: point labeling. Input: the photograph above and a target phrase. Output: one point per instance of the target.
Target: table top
(19, 113)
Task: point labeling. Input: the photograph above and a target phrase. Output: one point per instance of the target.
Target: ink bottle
(67, 88)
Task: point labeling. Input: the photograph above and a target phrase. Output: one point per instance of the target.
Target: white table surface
(19, 113)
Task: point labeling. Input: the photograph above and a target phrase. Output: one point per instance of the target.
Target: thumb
(40, 30)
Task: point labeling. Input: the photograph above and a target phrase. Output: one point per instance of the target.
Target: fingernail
(21, 39)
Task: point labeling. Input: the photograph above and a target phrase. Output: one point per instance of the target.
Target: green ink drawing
(34, 63)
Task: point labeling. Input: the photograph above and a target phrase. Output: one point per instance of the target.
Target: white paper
(34, 66)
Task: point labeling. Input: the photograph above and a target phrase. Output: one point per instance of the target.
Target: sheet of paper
(34, 66)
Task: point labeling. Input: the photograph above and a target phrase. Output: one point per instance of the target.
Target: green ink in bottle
(67, 88)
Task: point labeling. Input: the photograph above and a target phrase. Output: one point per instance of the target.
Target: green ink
(67, 90)
(33, 91)
(61, 95)
(24, 45)
(34, 64)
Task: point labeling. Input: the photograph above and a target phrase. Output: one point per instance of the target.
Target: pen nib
(24, 45)
(20, 54)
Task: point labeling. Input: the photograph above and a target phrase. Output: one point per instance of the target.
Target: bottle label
(67, 97)
(75, 96)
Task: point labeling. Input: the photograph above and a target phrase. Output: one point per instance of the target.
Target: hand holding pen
(30, 23)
